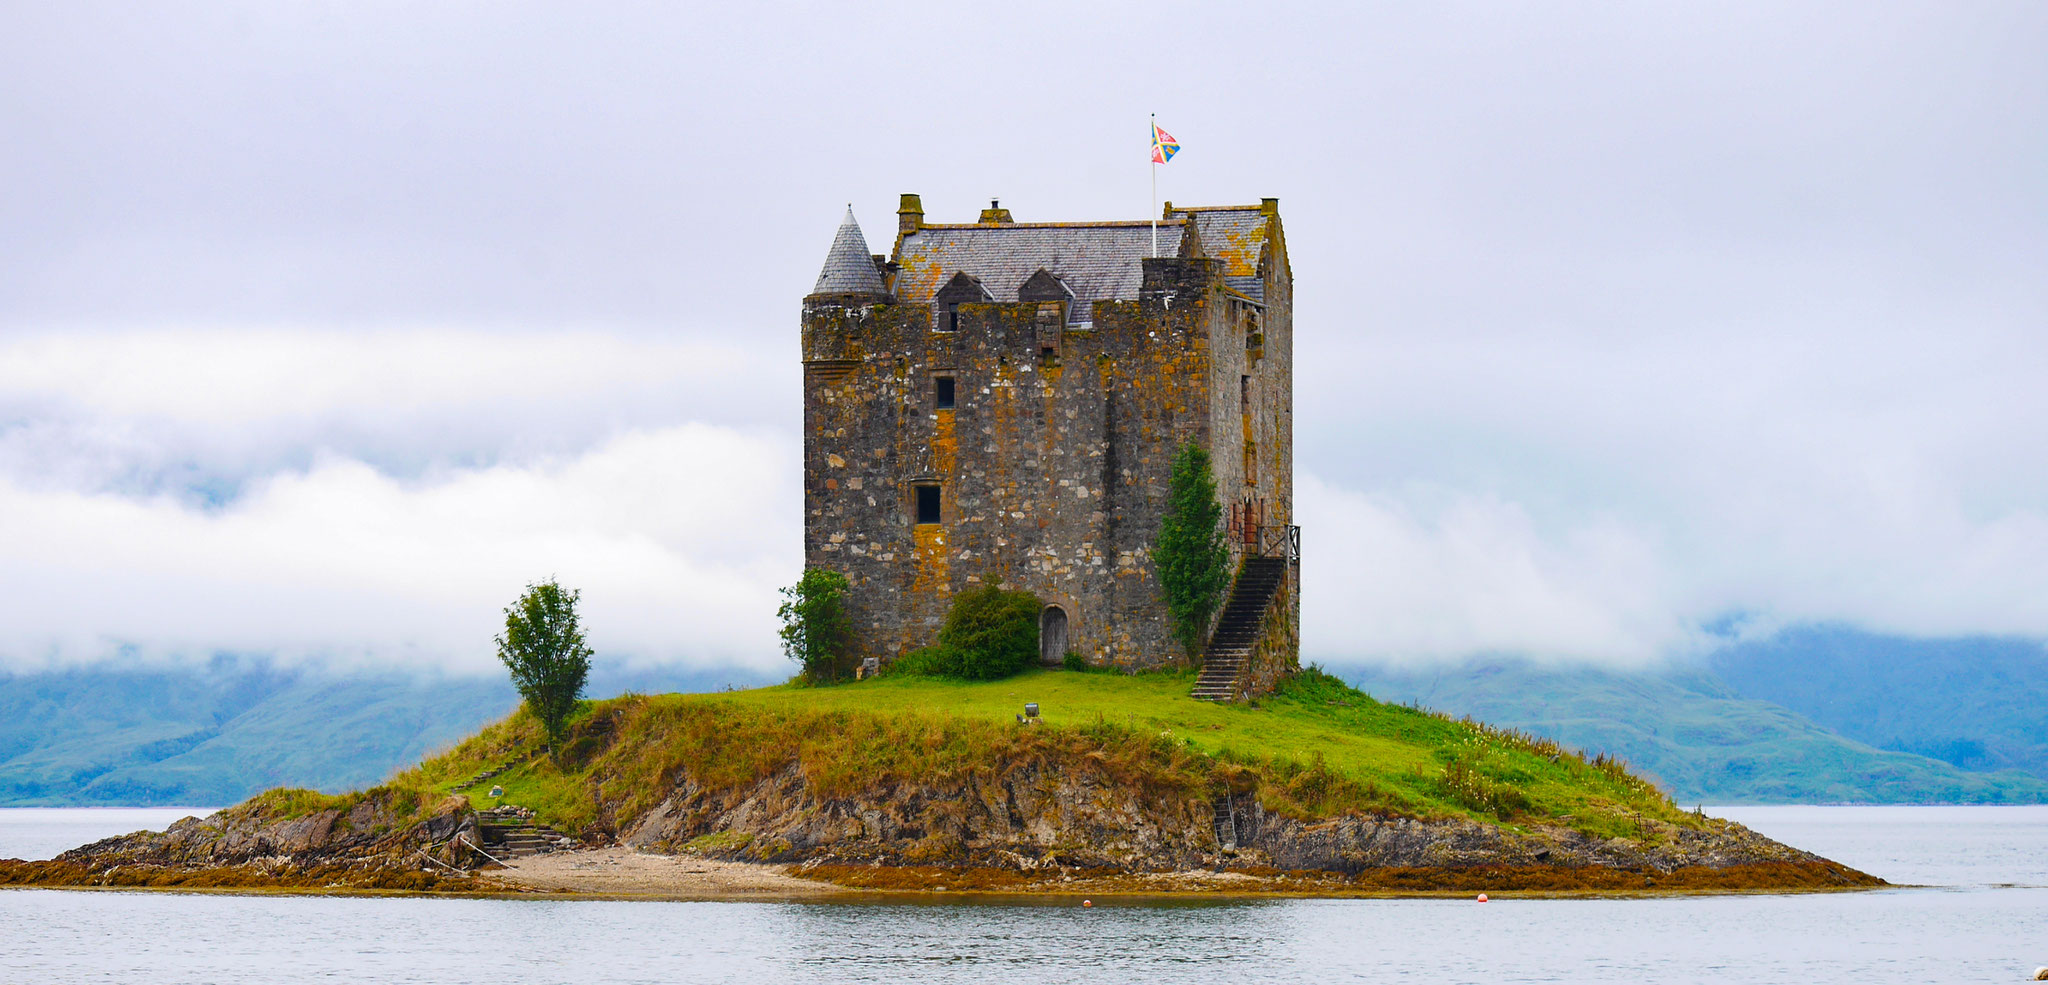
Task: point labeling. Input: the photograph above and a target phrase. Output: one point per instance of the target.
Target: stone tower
(1001, 401)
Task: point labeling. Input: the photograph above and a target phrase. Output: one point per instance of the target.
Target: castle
(1002, 401)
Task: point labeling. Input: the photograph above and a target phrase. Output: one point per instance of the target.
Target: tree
(1193, 561)
(543, 648)
(815, 627)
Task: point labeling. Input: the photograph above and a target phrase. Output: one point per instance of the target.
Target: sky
(1621, 329)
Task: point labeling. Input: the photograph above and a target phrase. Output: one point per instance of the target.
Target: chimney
(995, 213)
(909, 215)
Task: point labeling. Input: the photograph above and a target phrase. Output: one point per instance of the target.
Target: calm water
(1984, 918)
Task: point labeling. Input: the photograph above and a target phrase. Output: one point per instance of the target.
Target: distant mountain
(220, 733)
(1705, 740)
(1978, 703)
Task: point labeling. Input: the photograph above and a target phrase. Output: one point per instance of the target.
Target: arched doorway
(1052, 635)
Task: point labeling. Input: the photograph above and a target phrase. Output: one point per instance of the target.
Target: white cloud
(677, 537)
(1559, 493)
(159, 408)
(1393, 581)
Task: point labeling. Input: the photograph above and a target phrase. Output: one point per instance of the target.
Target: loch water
(1972, 907)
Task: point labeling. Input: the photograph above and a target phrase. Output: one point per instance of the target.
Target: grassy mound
(1316, 749)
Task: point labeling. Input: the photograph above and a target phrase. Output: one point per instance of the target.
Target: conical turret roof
(848, 267)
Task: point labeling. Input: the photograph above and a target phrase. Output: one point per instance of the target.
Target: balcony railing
(1281, 541)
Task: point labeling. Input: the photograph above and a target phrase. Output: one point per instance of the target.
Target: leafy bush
(993, 632)
(989, 634)
(930, 661)
(816, 631)
(1074, 661)
(1193, 560)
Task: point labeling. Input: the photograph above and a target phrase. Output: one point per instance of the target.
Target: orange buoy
(1087, 902)
(1482, 897)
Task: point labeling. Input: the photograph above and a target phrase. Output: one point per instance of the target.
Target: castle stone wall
(1053, 464)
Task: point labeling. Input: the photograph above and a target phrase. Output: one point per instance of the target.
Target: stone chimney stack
(909, 215)
(995, 213)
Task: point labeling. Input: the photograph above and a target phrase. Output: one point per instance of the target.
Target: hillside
(1319, 747)
(922, 783)
(1810, 715)
(223, 732)
(1696, 735)
(1979, 703)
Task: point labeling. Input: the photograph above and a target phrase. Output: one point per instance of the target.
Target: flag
(1163, 145)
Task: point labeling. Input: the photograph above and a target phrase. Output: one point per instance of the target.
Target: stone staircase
(1238, 628)
(511, 832)
(492, 772)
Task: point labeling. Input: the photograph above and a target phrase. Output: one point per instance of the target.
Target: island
(1120, 784)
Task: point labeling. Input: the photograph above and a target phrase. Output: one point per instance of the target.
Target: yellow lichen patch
(1240, 251)
(929, 569)
(945, 446)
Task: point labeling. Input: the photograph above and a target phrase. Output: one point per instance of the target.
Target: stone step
(1238, 627)
(519, 838)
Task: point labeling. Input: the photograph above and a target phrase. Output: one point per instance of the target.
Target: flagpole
(1154, 135)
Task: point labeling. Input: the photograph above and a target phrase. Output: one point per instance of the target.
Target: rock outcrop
(1073, 817)
(378, 840)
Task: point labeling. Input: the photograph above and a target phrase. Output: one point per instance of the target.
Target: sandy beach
(625, 872)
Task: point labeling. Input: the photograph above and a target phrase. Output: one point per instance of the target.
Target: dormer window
(1044, 285)
(963, 288)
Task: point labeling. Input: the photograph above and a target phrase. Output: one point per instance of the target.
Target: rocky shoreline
(1040, 829)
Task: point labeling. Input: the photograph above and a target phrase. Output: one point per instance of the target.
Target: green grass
(289, 803)
(1316, 749)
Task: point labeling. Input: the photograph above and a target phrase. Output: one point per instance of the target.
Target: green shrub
(989, 633)
(930, 661)
(994, 632)
(816, 631)
(1192, 558)
(1073, 661)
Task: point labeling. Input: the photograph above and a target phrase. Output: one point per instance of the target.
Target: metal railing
(1280, 541)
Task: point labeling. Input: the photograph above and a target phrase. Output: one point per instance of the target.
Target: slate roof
(1098, 261)
(1235, 235)
(849, 269)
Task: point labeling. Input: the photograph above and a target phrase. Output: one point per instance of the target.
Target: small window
(1047, 354)
(927, 504)
(942, 393)
(953, 317)
(1244, 395)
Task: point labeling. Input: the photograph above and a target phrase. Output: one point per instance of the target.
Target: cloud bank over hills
(378, 499)
(1621, 332)
(375, 498)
